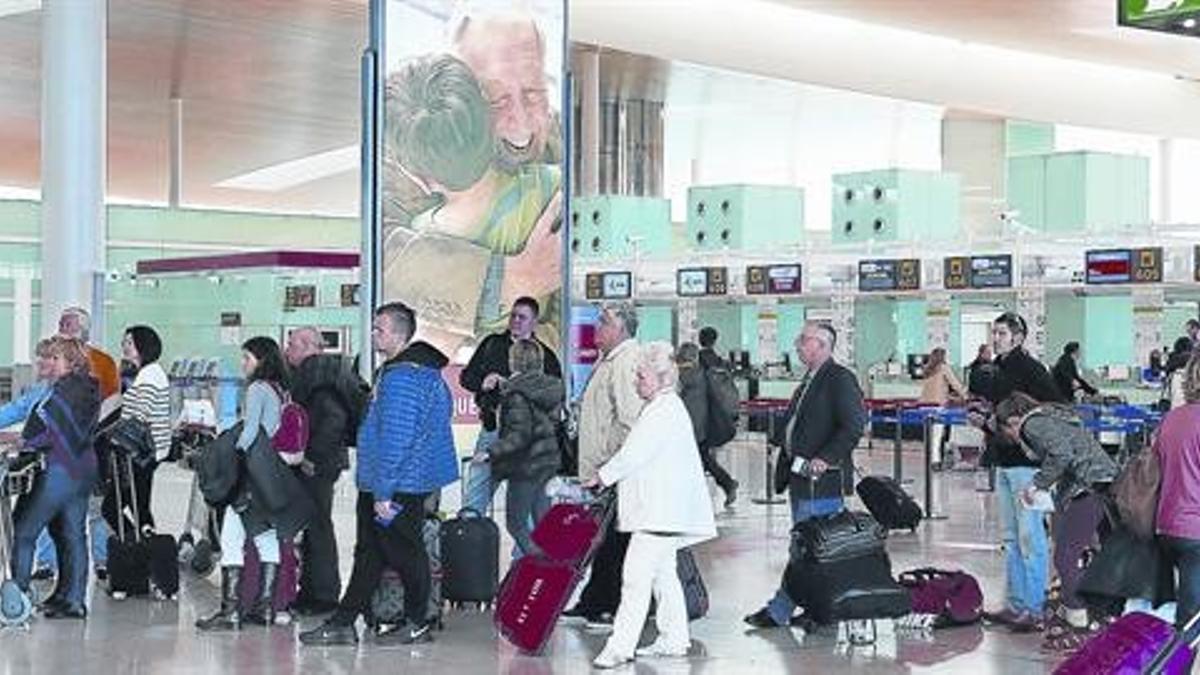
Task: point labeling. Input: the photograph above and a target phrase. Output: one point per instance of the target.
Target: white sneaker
(610, 659)
(662, 651)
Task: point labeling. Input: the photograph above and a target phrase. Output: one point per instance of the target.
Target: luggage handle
(137, 533)
(1189, 636)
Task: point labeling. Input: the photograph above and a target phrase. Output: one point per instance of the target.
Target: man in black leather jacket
(825, 421)
(334, 396)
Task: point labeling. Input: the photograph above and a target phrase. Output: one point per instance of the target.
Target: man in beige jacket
(609, 409)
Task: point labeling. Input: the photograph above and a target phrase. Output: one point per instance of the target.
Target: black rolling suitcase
(889, 503)
(136, 557)
(470, 559)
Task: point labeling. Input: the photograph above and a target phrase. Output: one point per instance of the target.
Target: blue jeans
(46, 556)
(480, 489)
(61, 502)
(1026, 547)
(781, 606)
(525, 504)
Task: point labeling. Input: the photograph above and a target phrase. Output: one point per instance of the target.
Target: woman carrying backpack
(246, 515)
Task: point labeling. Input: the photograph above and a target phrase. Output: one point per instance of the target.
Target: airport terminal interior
(908, 191)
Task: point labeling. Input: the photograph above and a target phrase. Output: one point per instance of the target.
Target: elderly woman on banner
(663, 502)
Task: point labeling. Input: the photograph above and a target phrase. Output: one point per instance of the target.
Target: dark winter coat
(693, 389)
(491, 356)
(336, 399)
(268, 495)
(1017, 371)
(528, 446)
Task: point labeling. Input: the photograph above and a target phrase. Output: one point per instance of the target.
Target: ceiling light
(296, 172)
(10, 7)
(1188, 23)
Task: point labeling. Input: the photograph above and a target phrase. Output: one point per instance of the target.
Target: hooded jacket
(492, 357)
(335, 398)
(530, 407)
(1072, 460)
(405, 445)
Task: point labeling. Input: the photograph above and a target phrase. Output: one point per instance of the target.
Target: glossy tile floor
(740, 568)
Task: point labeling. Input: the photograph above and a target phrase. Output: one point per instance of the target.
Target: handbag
(131, 436)
(1135, 493)
(839, 536)
(1126, 566)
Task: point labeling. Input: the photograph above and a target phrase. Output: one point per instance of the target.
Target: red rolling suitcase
(538, 587)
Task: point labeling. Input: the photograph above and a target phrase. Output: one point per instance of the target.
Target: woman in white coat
(663, 502)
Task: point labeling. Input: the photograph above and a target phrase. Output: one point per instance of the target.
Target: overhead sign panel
(785, 279)
(700, 281)
(609, 286)
(889, 275)
(1124, 266)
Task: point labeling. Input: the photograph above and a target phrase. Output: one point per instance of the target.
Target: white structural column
(589, 121)
(1166, 178)
(74, 153)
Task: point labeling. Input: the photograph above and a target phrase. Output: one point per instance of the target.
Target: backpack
(723, 399)
(291, 438)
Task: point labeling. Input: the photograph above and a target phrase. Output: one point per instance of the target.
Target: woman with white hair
(663, 502)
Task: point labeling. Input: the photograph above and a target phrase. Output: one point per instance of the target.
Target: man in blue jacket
(405, 453)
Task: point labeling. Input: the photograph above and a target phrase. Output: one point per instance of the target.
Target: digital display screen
(691, 283)
(609, 286)
(877, 275)
(1148, 265)
(991, 271)
(773, 279)
(1109, 267)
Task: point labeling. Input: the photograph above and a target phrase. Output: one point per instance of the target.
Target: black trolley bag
(470, 547)
(137, 557)
(887, 501)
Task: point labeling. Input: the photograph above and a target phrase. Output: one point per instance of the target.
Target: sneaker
(102, 574)
(43, 574)
(418, 634)
(610, 659)
(1026, 623)
(330, 634)
(761, 619)
(661, 651)
(731, 496)
(600, 622)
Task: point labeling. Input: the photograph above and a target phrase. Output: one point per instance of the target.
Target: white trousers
(650, 568)
(233, 542)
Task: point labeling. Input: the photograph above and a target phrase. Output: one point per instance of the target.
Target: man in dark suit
(824, 424)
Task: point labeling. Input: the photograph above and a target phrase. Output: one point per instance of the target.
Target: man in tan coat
(609, 409)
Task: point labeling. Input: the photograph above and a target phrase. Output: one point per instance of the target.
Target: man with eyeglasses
(483, 375)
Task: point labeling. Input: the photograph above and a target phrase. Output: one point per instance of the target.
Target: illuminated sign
(609, 286)
(889, 275)
(773, 279)
(700, 281)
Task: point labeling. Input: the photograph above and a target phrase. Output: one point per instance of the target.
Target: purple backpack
(292, 436)
(954, 597)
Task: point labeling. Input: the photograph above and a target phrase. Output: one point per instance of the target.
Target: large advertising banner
(471, 172)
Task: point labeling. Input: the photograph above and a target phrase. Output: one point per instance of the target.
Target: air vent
(848, 195)
(725, 236)
(575, 246)
(725, 207)
(878, 225)
(596, 244)
(877, 193)
(699, 237)
(596, 217)
(848, 227)
(701, 207)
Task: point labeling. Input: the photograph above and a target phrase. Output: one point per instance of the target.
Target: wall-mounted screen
(1109, 267)
(991, 271)
(783, 279)
(609, 286)
(691, 283)
(889, 275)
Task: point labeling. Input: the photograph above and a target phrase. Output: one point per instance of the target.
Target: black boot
(262, 613)
(228, 617)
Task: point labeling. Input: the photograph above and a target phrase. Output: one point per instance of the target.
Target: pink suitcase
(538, 586)
(288, 583)
(568, 532)
(1128, 647)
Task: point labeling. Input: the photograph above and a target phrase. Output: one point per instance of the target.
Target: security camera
(113, 275)
(1009, 216)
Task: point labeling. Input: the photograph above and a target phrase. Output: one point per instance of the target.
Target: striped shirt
(149, 399)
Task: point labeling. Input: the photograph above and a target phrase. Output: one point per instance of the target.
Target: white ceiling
(1076, 29)
(271, 81)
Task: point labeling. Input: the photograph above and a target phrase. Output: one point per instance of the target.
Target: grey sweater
(1073, 461)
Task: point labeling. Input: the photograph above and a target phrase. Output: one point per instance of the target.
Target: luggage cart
(17, 474)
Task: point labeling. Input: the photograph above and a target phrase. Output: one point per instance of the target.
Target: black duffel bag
(840, 536)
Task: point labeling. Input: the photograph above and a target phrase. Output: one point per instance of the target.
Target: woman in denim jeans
(1178, 521)
(1078, 470)
(1025, 543)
